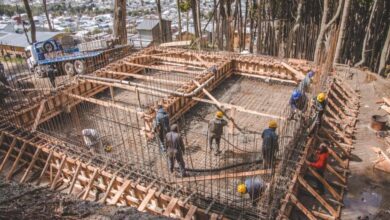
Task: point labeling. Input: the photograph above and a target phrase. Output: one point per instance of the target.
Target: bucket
(378, 122)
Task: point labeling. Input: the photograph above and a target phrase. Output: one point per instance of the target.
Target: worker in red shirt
(320, 163)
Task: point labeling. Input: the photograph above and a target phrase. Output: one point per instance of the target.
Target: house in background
(13, 44)
(149, 32)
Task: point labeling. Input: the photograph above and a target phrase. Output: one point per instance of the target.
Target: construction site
(42, 142)
(50, 168)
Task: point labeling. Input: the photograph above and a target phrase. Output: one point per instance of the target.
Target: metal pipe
(126, 82)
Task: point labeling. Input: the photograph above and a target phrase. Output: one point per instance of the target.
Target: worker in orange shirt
(319, 164)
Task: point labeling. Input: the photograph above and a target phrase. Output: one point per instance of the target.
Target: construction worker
(297, 103)
(320, 165)
(92, 139)
(305, 83)
(215, 131)
(161, 126)
(270, 145)
(319, 107)
(175, 150)
(254, 186)
(51, 73)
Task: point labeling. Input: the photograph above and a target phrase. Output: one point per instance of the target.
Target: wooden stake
(119, 193)
(146, 200)
(47, 164)
(31, 165)
(316, 195)
(74, 178)
(11, 171)
(59, 171)
(11, 147)
(90, 183)
(38, 116)
(301, 207)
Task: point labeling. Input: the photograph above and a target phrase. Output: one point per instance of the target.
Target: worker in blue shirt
(254, 186)
(270, 145)
(297, 103)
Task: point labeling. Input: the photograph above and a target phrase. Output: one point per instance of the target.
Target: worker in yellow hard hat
(254, 186)
(319, 104)
(270, 144)
(215, 131)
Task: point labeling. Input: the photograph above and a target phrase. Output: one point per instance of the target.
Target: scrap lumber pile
(385, 104)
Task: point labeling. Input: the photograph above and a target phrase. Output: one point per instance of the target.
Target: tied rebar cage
(119, 101)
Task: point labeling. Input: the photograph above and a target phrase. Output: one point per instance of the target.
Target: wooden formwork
(338, 127)
(29, 158)
(225, 65)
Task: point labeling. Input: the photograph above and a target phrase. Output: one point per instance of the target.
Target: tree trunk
(297, 23)
(385, 53)
(367, 36)
(194, 10)
(47, 15)
(162, 40)
(324, 27)
(31, 21)
(245, 23)
(179, 16)
(341, 37)
(120, 31)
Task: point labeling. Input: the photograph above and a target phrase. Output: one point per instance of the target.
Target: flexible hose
(223, 168)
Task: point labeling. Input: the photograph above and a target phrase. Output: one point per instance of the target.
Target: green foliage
(10, 10)
(365, 3)
(185, 5)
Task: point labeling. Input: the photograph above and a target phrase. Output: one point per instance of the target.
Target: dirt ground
(29, 202)
(368, 195)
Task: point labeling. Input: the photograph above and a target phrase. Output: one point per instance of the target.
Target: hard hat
(219, 114)
(311, 73)
(296, 94)
(272, 124)
(321, 97)
(108, 148)
(241, 188)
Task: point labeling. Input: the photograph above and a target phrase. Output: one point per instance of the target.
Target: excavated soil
(29, 202)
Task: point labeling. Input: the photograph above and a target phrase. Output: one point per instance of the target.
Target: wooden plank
(74, 178)
(170, 206)
(38, 116)
(119, 193)
(343, 163)
(11, 171)
(190, 212)
(298, 74)
(11, 147)
(47, 164)
(223, 176)
(90, 183)
(317, 195)
(332, 191)
(334, 172)
(31, 165)
(238, 108)
(146, 200)
(302, 208)
(105, 103)
(58, 174)
(103, 200)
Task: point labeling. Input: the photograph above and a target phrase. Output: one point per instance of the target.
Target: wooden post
(11, 147)
(231, 125)
(34, 158)
(11, 171)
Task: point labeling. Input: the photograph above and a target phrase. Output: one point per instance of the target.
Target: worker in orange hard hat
(215, 131)
(270, 145)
